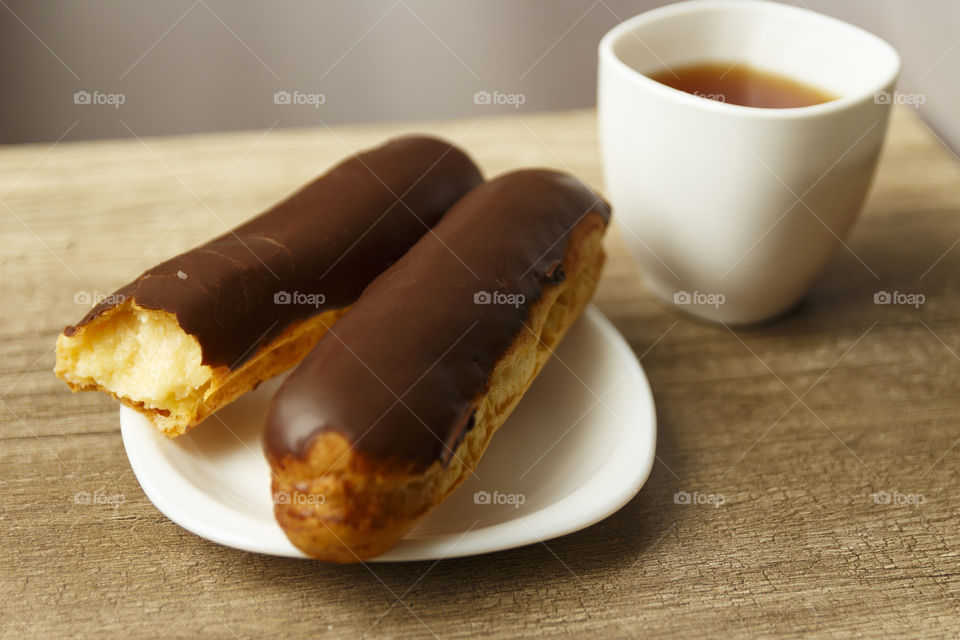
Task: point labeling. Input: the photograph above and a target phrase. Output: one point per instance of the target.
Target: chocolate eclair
(195, 332)
(394, 407)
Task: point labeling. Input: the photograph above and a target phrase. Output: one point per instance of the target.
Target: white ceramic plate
(577, 448)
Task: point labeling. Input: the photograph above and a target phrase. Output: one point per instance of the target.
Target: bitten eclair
(394, 407)
(195, 332)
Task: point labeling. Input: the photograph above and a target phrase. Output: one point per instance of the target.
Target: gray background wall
(207, 65)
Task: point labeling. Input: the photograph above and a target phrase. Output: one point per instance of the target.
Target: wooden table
(797, 424)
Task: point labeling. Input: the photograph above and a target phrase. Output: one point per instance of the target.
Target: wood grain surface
(799, 425)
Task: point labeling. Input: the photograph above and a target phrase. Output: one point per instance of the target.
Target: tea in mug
(741, 84)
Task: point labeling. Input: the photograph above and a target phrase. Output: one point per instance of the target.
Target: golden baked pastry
(195, 332)
(395, 406)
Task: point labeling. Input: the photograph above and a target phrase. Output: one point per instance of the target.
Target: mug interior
(814, 49)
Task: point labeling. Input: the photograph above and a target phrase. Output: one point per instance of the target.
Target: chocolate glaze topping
(398, 374)
(313, 252)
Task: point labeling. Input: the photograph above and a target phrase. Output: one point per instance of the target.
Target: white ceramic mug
(733, 211)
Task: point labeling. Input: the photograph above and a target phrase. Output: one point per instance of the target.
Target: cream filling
(139, 355)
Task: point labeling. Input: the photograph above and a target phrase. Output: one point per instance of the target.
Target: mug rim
(609, 57)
